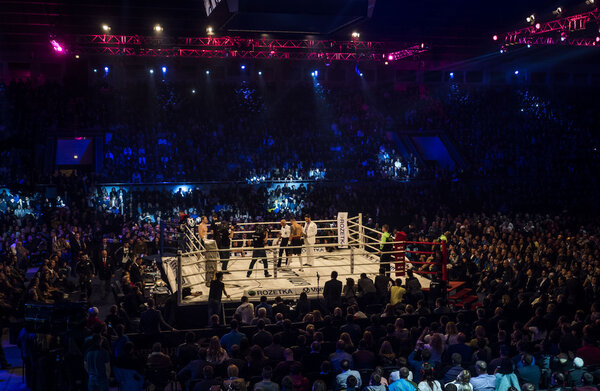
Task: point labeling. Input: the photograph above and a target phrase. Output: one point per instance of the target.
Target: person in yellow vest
(397, 292)
(385, 247)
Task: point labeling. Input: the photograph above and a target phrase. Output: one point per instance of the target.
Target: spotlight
(95, 70)
(589, 2)
(207, 72)
(390, 57)
(361, 74)
(316, 73)
(151, 71)
(355, 35)
(75, 157)
(243, 67)
(259, 73)
(529, 45)
(57, 46)
(386, 63)
(193, 91)
(209, 30)
(105, 69)
(563, 37)
(557, 12)
(77, 56)
(530, 18)
(312, 74)
(538, 26)
(164, 69)
(516, 72)
(451, 75)
(106, 27)
(158, 28)
(598, 39)
(495, 37)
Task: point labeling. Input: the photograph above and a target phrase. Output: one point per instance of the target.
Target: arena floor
(290, 283)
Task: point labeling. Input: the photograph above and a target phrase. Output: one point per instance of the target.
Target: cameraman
(259, 240)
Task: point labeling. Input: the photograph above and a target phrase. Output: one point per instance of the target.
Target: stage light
(563, 37)
(355, 35)
(164, 69)
(75, 157)
(158, 28)
(495, 37)
(386, 63)
(57, 46)
(106, 27)
(451, 75)
(516, 72)
(259, 73)
(316, 73)
(77, 56)
(243, 67)
(598, 39)
(390, 57)
(361, 74)
(538, 26)
(209, 30)
(95, 70)
(105, 69)
(557, 11)
(312, 74)
(529, 45)
(151, 71)
(207, 72)
(530, 18)
(193, 91)
(589, 2)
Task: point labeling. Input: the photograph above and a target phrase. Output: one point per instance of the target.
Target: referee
(284, 238)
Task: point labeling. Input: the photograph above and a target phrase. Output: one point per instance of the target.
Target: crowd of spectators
(536, 276)
(520, 220)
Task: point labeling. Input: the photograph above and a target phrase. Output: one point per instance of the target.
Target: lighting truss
(546, 40)
(232, 47)
(534, 34)
(408, 52)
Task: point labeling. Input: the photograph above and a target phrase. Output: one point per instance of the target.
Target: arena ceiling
(460, 26)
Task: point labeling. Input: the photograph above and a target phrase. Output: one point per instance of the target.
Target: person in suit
(309, 234)
(332, 292)
(104, 245)
(135, 271)
(105, 268)
(543, 282)
(77, 244)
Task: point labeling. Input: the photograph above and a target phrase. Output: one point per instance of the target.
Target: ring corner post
(444, 261)
(361, 232)
(179, 279)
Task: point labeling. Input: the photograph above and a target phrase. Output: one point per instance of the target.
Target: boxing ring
(350, 248)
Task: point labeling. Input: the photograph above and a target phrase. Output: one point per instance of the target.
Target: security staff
(259, 240)
(222, 233)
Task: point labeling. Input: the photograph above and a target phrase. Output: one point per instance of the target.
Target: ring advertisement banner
(342, 225)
